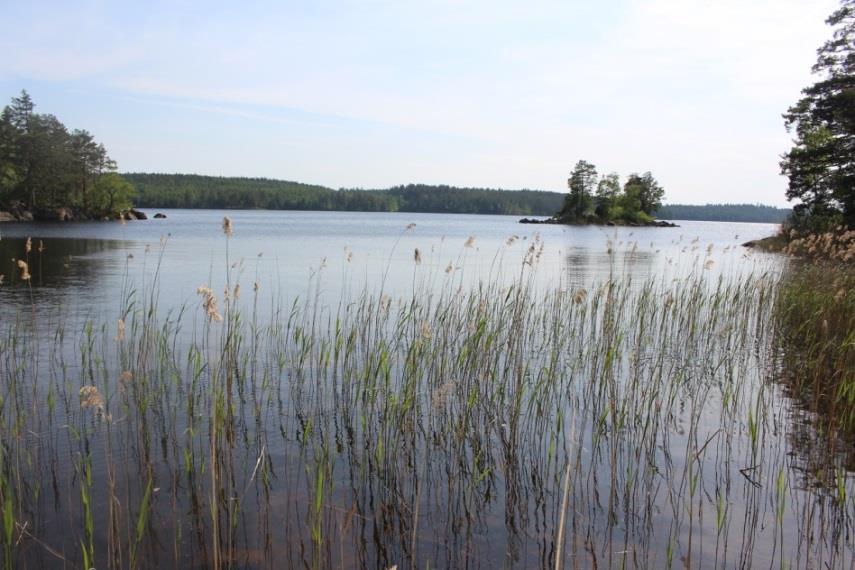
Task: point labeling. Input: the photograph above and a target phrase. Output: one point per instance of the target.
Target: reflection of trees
(62, 266)
(581, 264)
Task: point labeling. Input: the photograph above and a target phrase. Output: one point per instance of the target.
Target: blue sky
(476, 93)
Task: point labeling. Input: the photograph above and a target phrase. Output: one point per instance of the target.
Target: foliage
(606, 200)
(757, 213)
(46, 167)
(639, 199)
(821, 164)
(112, 193)
(648, 192)
(193, 191)
(579, 203)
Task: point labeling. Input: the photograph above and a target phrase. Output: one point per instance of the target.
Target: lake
(511, 395)
(86, 262)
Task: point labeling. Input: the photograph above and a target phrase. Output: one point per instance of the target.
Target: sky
(375, 93)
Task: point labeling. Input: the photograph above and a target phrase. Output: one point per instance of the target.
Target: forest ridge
(198, 191)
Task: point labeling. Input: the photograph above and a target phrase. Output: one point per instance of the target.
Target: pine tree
(821, 164)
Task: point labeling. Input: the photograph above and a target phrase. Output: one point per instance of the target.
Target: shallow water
(439, 420)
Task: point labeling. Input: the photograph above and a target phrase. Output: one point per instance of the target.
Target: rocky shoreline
(556, 221)
(17, 212)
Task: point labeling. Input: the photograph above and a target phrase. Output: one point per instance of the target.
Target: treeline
(214, 192)
(195, 191)
(53, 172)
(724, 213)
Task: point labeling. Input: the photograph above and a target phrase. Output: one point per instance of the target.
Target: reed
(623, 424)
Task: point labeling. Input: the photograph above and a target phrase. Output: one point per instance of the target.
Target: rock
(64, 214)
(594, 222)
(535, 221)
(160, 216)
(771, 244)
(15, 211)
(137, 214)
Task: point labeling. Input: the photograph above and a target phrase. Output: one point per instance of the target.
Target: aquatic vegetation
(631, 424)
(815, 315)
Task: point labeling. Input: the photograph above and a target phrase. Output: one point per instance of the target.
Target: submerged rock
(159, 216)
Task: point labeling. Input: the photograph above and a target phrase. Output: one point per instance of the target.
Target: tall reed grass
(626, 424)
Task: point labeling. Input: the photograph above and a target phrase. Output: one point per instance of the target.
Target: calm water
(289, 251)
(452, 425)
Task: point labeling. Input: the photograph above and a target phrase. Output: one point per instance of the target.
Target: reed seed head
(90, 397)
(209, 303)
(228, 227)
(25, 270)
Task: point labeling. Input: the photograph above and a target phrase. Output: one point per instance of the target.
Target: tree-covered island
(602, 200)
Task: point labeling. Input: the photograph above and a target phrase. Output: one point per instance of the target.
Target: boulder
(15, 211)
(137, 215)
(64, 214)
(160, 216)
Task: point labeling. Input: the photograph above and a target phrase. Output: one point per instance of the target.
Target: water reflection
(81, 275)
(56, 262)
(430, 424)
(584, 266)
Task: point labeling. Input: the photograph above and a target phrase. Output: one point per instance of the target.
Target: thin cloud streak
(690, 89)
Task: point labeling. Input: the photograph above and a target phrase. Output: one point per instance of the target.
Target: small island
(602, 201)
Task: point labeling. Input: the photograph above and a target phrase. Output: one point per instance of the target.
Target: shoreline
(614, 223)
